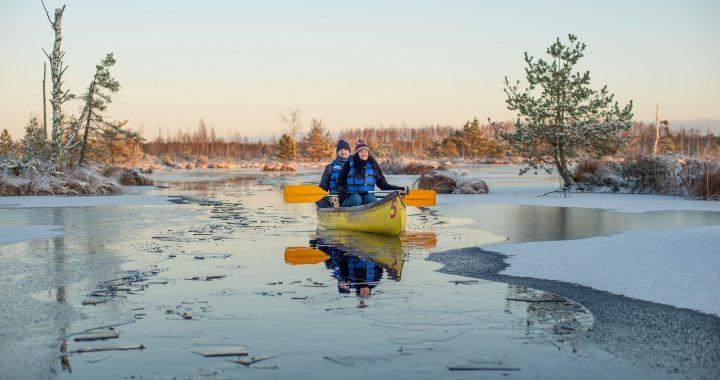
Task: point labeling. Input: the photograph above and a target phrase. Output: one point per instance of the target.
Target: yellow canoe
(387, 216)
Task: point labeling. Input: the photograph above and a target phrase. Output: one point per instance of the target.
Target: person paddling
(328, 181)
(359, 176)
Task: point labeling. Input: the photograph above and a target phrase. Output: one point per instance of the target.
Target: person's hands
(405, 191)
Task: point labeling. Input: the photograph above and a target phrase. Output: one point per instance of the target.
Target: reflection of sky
(536, 223)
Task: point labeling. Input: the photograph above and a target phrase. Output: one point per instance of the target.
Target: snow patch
(675, 267)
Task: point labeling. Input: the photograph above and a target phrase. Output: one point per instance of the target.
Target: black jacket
(325, 179)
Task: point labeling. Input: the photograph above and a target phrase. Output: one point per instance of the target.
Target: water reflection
(539, 223)
(359, 260)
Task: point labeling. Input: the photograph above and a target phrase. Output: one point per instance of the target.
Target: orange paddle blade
(303, 193)
(304, 255)
(420, 198)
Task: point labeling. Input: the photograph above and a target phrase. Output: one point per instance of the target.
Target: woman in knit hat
(328, 181)
(359, 176)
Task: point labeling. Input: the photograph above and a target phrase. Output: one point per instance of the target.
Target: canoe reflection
(359, 260)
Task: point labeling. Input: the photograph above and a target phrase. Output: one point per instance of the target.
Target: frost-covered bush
(665, 174)
(85, 180)
(13, 165)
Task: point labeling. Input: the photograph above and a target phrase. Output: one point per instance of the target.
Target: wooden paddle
(314, 193)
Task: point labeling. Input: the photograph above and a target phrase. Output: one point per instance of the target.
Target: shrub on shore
(83, 181)
(666, 174)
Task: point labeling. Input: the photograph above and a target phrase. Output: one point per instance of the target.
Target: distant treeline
(684, 142)
(472, 141)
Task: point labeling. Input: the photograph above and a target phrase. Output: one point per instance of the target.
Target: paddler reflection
(358, 260)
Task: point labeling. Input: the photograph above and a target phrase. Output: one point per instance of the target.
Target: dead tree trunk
(657, 130)
(57, 94)
(44, 100)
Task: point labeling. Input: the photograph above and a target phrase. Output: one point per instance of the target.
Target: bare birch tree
(59, 96)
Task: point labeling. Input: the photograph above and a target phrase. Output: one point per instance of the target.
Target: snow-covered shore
(677, 267)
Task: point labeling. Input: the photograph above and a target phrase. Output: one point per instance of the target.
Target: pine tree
(34, 144)
(96, 99)
(317, 143)
(7, 146)
(476, 144)
(559, 116)
(286, 148)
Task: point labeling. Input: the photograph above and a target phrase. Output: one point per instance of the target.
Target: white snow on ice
(16, 233)
(675, 267)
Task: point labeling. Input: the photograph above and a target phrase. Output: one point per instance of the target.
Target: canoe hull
(387, 216)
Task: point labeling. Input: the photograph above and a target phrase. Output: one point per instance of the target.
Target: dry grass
(84, 181)
(586, 169)
(128, 176)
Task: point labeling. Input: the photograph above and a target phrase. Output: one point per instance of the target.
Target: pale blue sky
(238, 64)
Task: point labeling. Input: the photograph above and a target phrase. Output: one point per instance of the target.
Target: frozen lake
(215, 259)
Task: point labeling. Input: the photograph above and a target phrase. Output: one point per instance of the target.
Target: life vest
(361, 185)
(336, 167)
